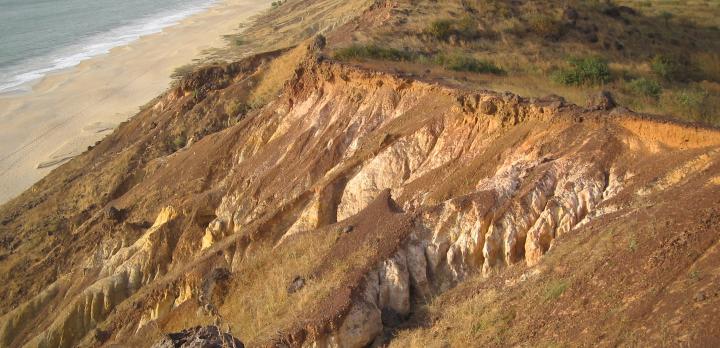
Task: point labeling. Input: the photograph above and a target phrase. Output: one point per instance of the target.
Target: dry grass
(490, 312)
(274, 77)
(484, 317)
(532, 41)
(701, 12)
(287, 25)
(261, 305)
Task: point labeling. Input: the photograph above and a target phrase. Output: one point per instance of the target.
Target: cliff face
(372, 194)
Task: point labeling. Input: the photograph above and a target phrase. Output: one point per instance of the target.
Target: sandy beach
(68, 111)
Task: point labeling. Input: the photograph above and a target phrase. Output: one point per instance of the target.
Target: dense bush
(183, 71)
(691, 98)
(179, 142)
(372, 52)
(645, 87)
(459, 62)
(444, 29)
(584, 71)
(698, 101)
(545, 26)
(276, 4)
(440, 29)
(455, 62)
(670, 68)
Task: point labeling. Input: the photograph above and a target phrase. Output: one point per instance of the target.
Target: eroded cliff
(376, 192)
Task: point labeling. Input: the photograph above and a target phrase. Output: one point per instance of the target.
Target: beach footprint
(71, 148)
(99, 127)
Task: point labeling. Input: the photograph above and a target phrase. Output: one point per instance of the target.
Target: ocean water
(38, 37)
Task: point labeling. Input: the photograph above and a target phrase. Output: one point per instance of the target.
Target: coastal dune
(71, 110)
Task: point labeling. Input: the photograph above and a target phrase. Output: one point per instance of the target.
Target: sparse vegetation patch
(276, 4)
(645, 87)
(555, 289)
(373, 52)
(454, 62)
(584, 71)
(670, 68)
(459, 62)
(440, 29)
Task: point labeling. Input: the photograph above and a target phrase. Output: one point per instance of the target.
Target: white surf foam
(19, 77)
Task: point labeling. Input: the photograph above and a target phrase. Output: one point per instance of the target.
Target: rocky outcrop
(199, 337)
(120, 276)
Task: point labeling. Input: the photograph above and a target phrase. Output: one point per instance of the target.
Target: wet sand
(71, 110)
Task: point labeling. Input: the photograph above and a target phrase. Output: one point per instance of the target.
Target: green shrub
(694, 102)
(179, 142)
(584, 71)
(555, 289)
(690, 98)
(668, 68)
(466, 63)
(440, 29)
(645, 87)
(372, 52)
(633, 244)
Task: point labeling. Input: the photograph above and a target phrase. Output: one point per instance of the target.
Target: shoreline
(68, 110)
(21, 77)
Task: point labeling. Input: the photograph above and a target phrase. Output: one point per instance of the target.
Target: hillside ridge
(294, 199)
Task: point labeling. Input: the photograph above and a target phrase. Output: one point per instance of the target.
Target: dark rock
(101, 336)
(220, 274)
(552, 102)
(114, 214)
(318, 43)
(613, 12)
(297, 284)
(511, 98)
(592, 37)
(348, 229)
(488, 107)
(391, 318)
(601, 101)
(627, 10)
(199, 337)
(618, 11)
